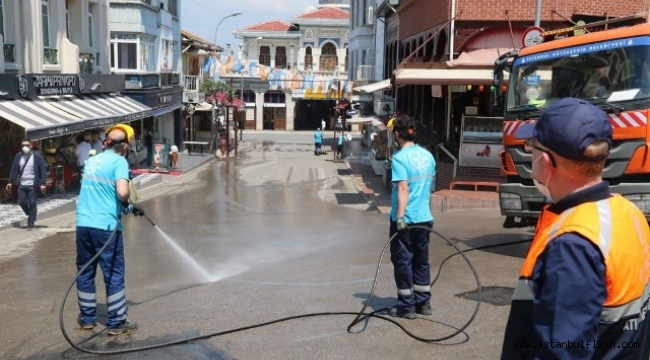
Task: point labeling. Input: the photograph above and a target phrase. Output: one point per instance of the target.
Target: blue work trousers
(409, 253)
(111, 262)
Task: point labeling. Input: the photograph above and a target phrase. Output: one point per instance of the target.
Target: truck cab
(610, 69)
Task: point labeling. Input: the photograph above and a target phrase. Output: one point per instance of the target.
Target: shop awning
(370, 88)
(99, 110)
(40, 119)
(204, 106)
(445, 76)
(358, 119)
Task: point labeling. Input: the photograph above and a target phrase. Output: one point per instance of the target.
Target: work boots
(126, 327)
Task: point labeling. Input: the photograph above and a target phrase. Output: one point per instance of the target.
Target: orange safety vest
(621, 233)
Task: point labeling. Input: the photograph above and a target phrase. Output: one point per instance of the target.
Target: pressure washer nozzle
(151, 221)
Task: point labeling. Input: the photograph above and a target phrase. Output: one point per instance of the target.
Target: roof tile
(332, 13)
(271, 25)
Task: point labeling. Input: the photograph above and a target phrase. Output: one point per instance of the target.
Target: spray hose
(360, 316)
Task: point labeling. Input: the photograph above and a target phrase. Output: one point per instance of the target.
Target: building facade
(291, 73)
(145, 43)
(56, 81)
(440, 55)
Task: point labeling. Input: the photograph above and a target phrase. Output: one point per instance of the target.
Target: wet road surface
(277, 247)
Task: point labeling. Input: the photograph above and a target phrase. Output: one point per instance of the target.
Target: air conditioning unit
(371, 16)
(393, 2)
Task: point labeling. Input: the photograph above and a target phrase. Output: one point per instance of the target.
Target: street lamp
(241, 91)
(214, 100)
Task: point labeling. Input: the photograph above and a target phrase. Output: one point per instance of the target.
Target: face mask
(26, 149)
(543, 188)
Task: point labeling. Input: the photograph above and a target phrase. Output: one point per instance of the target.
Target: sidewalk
(11, 215)
(371, 187)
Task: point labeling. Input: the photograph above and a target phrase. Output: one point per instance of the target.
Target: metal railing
(51, 56)
(192, 82)
(365, 72)
(86, 62)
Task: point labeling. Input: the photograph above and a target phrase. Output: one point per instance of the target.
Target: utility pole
(538, 12)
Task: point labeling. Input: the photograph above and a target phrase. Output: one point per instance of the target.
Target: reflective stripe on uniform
(421, 177)
(616, 313)
(86, 296)
(118, 295)
(87, 304)
(421, 288)
(524, 290)
(605, 219)
(405, 292)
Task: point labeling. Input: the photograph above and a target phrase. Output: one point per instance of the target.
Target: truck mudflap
(522, 205)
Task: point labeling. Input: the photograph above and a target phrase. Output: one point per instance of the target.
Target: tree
(212, 88)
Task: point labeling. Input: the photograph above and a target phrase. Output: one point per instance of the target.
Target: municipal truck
(609, 68)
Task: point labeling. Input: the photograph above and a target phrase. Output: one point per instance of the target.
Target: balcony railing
(51, 56)
(9, 52)
(366, 72)
(191, 82)
(86, 63)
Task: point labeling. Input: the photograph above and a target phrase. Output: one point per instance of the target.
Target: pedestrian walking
(586, 276)
(318, 141)
(148, 141)
(413, 171)
(28, 174)
(339, 146)
(96, 142)
(104, 197)
(83, 152)
(322, 124)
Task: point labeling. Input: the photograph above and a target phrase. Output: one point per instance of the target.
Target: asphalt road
(280, 233)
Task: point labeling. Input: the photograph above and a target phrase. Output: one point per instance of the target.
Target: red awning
(222, 99)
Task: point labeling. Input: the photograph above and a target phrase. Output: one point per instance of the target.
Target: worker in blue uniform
(413, 172)
(103, 198)
(583, 288)
(318, 141)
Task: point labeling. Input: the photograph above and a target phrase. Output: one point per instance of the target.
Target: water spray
(359, 316)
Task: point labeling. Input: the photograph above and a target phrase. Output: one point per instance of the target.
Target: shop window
(328, 58)
(265, 56)
(45, 13)
(274, 97)
(125, 55)
(309, 59)
(249, 96)
(281, 57)
(91, 23)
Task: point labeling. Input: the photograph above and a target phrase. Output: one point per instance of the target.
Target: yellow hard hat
(126, 129)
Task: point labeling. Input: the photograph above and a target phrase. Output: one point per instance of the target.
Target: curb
(72, 204)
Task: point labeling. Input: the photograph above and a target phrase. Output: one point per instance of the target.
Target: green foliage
(211, 87)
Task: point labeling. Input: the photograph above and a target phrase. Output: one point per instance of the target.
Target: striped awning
(99, 110)
(50, 116)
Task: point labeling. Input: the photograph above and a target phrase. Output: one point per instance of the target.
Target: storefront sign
(165, 99)
(102, 122)
(33, 85)
(55, 84)
(471, 110)
(161, 157)
(136, 116)
(272, 105)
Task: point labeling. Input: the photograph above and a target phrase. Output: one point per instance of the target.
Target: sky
(201, 17)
